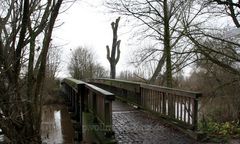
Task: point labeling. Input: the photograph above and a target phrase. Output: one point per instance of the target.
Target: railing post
(85, 100)
(140, 95)
(73, 103)
(170, 105)
(195, 112)
(79, 110)
(94, 106)
(108, 118)
(70, 99)
(69, 96)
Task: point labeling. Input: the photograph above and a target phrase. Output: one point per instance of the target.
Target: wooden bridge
(145, 108)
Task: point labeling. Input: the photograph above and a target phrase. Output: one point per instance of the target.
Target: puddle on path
(56, 125)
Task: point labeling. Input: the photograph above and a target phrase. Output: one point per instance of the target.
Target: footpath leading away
(136, 126)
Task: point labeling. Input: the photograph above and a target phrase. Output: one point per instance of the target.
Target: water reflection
(1, 136)
(1, 139)
(56, 126)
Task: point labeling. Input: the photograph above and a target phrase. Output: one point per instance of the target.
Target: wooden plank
(131, 86)
(100, 91)
(73, 82)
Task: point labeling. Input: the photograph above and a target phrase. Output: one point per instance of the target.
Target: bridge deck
(137, 126)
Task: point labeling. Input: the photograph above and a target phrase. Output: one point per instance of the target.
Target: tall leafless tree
(162, 22)
(115, 51)
(206, 41)
(231, 8)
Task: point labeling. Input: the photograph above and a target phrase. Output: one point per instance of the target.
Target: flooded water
(1, 139)
(56, 125)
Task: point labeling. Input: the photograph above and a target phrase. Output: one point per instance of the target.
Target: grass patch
(220, 132)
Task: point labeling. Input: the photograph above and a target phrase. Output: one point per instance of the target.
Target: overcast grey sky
(86, 23)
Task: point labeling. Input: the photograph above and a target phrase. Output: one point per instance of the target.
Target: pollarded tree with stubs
(115, 53)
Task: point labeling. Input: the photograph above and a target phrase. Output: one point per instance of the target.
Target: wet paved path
(133, 126)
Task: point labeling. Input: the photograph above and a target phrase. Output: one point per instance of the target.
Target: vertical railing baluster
(177, 103)
(174, 106)
(181, 112)
(195, 111)
(161, 102)
(164, 103)
(189, 110)
(185, 110)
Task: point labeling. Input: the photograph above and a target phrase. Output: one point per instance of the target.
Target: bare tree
(99, 71)
(82, 65)
(228, 7)
(113, 59)
(24, 27)
(220, 89)
(207, 40)
(53, 62)
(161, 21)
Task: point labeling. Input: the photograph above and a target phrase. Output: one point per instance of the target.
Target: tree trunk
(158, 69)
(113, 71)
(20, 117)
(167, 47)
(113, 60)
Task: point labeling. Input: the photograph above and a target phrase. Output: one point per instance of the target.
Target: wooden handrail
(74, 97)
(100, 103)
(97, 90)
(176, 105)
(171, 90)
(83, 96)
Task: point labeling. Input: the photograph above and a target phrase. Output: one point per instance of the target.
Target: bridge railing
(74, 96)
(178, 106)
(100, 104)
(82, 97)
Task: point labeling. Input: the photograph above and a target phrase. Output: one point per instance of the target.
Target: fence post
(85, 100)
(94, 106)
(79, 110)
(195, 111)
(108, 118)
(73, 103)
